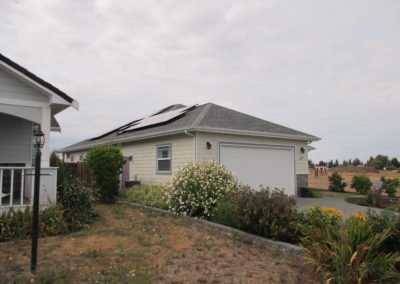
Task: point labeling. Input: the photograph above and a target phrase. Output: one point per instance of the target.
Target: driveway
(348, 209)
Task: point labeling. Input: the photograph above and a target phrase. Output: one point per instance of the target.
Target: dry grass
(129, 246)
(322, 182)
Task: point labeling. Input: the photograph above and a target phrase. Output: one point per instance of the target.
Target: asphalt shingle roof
(204, 117)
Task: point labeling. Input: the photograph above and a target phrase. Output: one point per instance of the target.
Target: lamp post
(38, 142)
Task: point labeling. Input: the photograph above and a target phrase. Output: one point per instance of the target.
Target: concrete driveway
(348, 209)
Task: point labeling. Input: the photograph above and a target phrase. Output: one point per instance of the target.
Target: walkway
(348, 209)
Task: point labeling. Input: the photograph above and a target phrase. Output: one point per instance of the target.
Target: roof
(208, 118)
(35, 78)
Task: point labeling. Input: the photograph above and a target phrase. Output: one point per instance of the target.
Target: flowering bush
(351, 252)
(197, 188)
(265, 212)
(318, 217)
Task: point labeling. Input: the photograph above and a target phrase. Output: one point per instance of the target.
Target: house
(258, 151)
(26, 103)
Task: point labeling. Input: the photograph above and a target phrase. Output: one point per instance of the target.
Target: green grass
(362, 201)
(344, 194)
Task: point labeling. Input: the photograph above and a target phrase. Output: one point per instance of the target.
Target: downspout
(194, 145)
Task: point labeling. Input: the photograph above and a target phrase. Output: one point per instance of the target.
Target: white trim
(197, 129)
(22, 103)
(37, 86)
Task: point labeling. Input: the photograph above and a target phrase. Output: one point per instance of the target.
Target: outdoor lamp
(208, 145)
(38, 139)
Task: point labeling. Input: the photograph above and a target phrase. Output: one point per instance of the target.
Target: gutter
(194, 145)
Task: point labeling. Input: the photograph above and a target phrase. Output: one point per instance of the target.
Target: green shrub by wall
(149, 195)
(106, 163)
(268, 213)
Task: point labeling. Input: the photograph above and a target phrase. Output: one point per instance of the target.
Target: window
(72, 158)
(164, 159)
(81, 158)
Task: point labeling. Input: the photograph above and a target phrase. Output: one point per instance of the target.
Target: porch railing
(17, 183)
(16, 186)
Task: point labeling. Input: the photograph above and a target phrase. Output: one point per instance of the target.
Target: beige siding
(212, 154)
(143, 153)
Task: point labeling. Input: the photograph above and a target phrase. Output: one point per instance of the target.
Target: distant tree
(345, 163)
(379, 162)
(311, 164)
(322, 163)
(356, 162)
(336, 163)
(55, 161)
(395, 163)
(330, 164)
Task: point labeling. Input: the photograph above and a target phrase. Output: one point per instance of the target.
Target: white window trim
(164, 159)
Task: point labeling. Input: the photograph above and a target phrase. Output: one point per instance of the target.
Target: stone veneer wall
(302, 181)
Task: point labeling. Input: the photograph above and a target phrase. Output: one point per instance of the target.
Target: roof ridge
(202, 114)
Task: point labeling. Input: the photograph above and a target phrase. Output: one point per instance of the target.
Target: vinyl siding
(143, 163)
(15, 140)
(12, 88)
(204, 154)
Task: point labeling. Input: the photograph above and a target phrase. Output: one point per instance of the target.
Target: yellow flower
(360, 216)
(332, 212)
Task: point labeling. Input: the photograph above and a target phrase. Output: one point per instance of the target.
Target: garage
(260, 164)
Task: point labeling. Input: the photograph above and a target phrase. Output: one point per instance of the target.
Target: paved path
(335, 202)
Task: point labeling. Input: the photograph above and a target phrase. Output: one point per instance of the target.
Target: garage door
(257, 164)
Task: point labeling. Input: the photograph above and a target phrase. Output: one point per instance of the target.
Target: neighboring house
(26, 103)
(258, 151)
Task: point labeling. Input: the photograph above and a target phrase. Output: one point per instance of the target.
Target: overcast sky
(328, 68)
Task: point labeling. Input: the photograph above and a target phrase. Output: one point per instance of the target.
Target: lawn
(129, 246)
(345, 194)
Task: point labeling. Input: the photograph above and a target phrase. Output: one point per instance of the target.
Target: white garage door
(256, 164)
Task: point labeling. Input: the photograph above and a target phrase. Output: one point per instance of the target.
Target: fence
(79, 170)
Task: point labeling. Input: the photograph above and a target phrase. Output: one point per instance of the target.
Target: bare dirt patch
(129, 246)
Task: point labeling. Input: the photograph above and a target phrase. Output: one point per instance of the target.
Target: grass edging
(283, 247)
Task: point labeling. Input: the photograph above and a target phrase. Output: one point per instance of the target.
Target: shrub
(18, 223)
(387, 221)
(350, 253)
(197, 188)
(106, 163)
(77, 202)
(336, 182)
(268, 213)
(361, 184)
(315, 194)
(317, 216)
(149, 195)
(390, 185)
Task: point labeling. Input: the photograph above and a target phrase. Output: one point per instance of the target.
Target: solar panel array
(156, 119)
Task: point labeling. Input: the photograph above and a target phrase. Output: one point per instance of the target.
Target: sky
(328, 68)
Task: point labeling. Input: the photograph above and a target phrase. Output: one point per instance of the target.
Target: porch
(17, 183)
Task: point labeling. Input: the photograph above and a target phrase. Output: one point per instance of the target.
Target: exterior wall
(15, 140)
(143, 163)
(12, 88)
(204, 154)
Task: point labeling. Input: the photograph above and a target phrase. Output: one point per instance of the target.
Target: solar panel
(158, 118)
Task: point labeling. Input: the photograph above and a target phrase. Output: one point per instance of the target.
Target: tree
(322, 163)
(357, 162)
(336, 163)
(361, 184)
(330, 164)
(336, 182)
(311, 164)
(345, 163)
(54, 160)
(106, 163)
(379, 162)
(390, 185)
(395, 163)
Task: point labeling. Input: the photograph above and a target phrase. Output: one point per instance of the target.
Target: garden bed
(126, 245)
